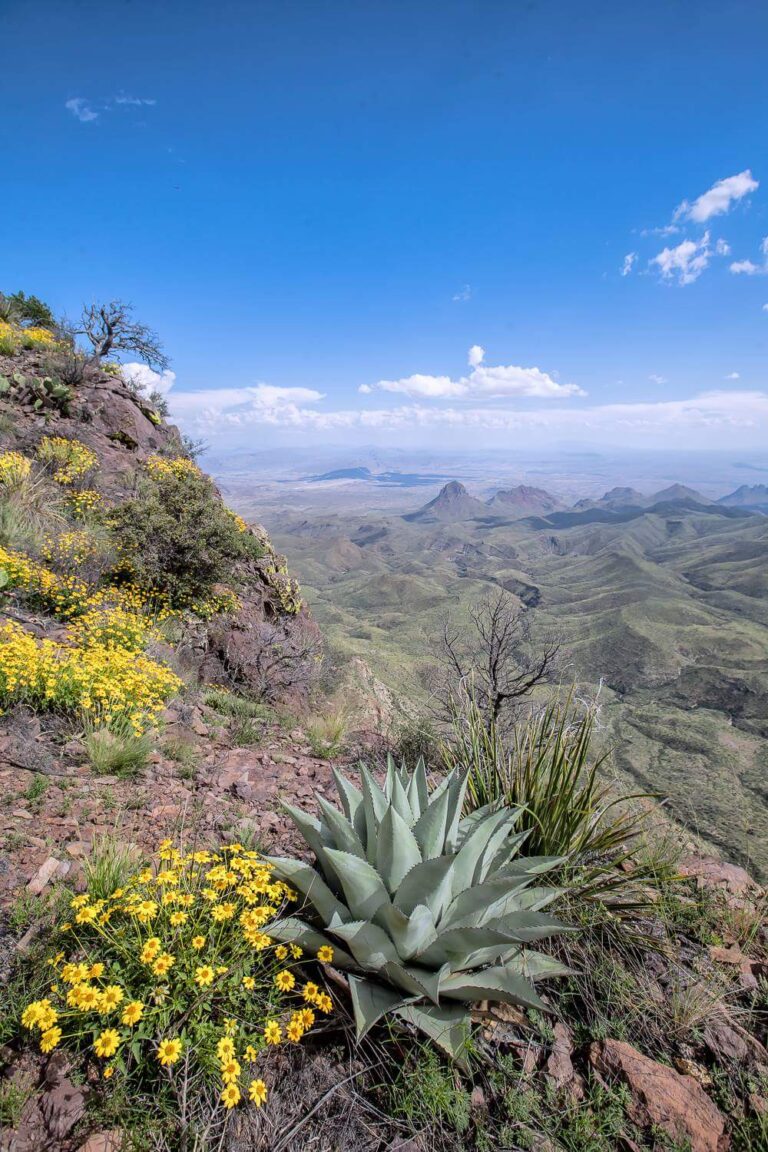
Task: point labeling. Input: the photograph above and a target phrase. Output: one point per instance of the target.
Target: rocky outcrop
(662, 1097)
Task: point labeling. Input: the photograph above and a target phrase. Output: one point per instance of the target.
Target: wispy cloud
(484, 381)
(732, 376)
(629, 262)
(463, 294)
(145, 380)
(722, 248)
(88, 111)
(748, 267)
(654, 379)
(718, 199)
(81, 110)
(686, 261)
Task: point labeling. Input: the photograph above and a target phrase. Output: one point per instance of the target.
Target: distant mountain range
(454, 503)
(388, 479)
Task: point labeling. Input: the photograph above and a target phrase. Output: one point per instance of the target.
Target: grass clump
(327, 733)
(117, 749)
(228, 703)
(109, 866)
(428, 1094)
(169, 982)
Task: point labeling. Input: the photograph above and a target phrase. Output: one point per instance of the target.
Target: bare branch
(111, 328)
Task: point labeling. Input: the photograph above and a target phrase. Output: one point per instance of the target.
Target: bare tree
(495, 659)
(111, 328)
(275, 659)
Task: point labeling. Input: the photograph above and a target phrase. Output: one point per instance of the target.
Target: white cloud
(81, 110)
(745, 267)
(629, 262)
(718, 199)
(146, 380)
(732, 376)
(667, 230)
(710, 419)
(654, 379)
(483, 382)
(686, 262)
(765, 307)
(463, 294)
(722, 248)
(137, 101)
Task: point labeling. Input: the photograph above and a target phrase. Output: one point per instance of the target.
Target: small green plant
(186, 754)
(425, 911)
(426, 1093)
(244, 733)
(228, 703)
(14, 1094)
(326, 733)
(117, 749)
(37, 787)
(109, 865)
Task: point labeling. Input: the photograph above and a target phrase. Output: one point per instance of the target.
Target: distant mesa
(747, 496)
(525, 500)
(344, 474)
(614, 499)
(452, 503)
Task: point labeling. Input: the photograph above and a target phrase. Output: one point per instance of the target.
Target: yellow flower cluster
(65, 596)
(14, 469)
(70, 549)
(69, 460)
(14, 337)
(158, 467)
(84, 500)
(103, 681)
(240, 524)
(159, 952)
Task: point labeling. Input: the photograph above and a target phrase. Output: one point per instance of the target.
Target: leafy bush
(430, 909)
(169, 982)
(30, 310)
(176, 533)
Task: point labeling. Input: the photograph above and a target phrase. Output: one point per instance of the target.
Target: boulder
(661, 1097)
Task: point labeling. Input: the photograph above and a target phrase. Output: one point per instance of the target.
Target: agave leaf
(429, 829)
(291, 930)
(344, 835)
(516, 959)
(447, 1026)
(371, 1001)
(453, 947)
(474, 904)
(351, 801)
(310, 884)
(428, 883)
(492, 984)
(500, 849)
(418, 792)
(531, 865)
(457, 790)
(369, 944)
(390, 777)
(471, 852)
(396, 851)
(410, 934)
(312, 831)
(416, 980)
(362, 885)
(526, 927)
(375, 805)
(399, 801)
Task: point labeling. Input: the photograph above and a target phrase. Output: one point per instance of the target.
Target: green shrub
(177, 535)
(425, 911)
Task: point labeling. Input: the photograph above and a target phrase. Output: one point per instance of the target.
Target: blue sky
(407, 222)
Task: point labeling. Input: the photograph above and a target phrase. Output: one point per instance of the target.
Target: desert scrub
(172, 984)
(101, 682)
(176, 535)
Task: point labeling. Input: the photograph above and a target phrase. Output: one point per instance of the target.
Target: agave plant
(426, 912)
